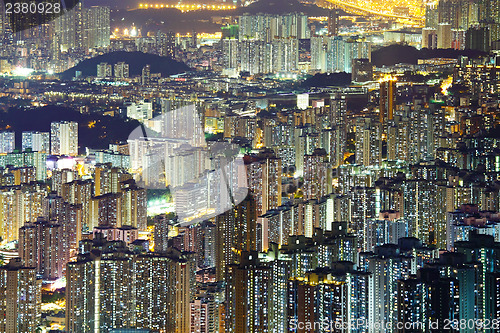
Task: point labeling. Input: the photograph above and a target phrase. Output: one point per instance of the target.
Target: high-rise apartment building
(121, 70)
(268, 27)
(387, 266)
(146, 75)
(7, 142)
(41, 246)
(64, 138)
(168, 45)
(266, 44)
(82, 28)
(338, 114)
(387, 104)
(431, 15)
(478, 38)
(20, 297)
(61, 177)
(247, 295)
(230, 55)
(106, 210)
(109, 286)
(36, 141)
(19, 204)
(104, 70)
(265, 181)
(368, 142)
(79, 192)
(108, 179)
(96, 27)
(333, 22)
(225, 243)
(36, 161)
(332, 54)
(68, 29)
(455, 12)
(483, 252)
(162, 226)
(134, 206)
(444, 36)
(427, 299)
(429, 38)
(141, 111)
(99, 292)
(320, 297)
(317, 175)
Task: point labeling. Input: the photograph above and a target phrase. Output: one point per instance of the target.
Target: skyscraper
(79, 192)
(162, 226)
(368, 142)
(36, 141)
(109, 286)
(99, 292)
(134, 206)
(230, 58)
(104, 70)
(319, 297)
(333, 22)
(247, 295)
(478, 38)
(225, 255)
(68, 30)
(332, 54)
(278, 292)
(338, 115)
(429, 38)
(387, 99)
(428, 298)
(64, 138)
(431, 15)
(146, 75)
(169, 45)
(483, 252)
(267, 27)
(25, 161)
(155, 292)
(265, 181)
(20, 297)
(108, 179)
(96, 27)
(19, 204)
(317, 175)
(7, 142)
(121, 70)
(387, 267)
(444, 36)
(41, 246)
(454, 12)
(106, 210)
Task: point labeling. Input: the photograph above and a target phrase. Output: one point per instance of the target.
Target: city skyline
(250, 166)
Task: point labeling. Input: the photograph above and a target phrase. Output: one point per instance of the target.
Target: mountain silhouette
(397, 54)
(278, 7)
(136, 61)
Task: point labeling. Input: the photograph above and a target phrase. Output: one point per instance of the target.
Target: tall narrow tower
(333, 22)
(387, 99)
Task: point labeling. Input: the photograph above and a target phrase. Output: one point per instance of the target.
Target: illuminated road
(185, 7)
(348, 7)
(351, 8)
(366, 32)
